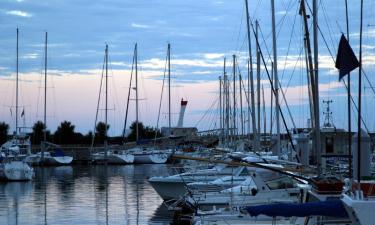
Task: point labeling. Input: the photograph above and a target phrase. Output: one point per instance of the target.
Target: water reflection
(83, 195)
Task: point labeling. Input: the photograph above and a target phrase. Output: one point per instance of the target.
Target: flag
(346, 61)
(23, 112)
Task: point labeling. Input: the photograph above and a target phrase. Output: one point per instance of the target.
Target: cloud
(30, 56)
(281, 12)
(139, 25)
(213, 55)
(19, 13)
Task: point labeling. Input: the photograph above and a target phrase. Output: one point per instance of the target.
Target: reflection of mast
(45, 194)
(106, 194)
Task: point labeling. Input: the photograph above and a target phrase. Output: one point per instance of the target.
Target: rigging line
(97, 108)
(204, 115)
(161, 97)
(326, 19)
(334, 61)
(274, 91)
(240, 29)
(289, 44)
(128, 99)
(356, 108)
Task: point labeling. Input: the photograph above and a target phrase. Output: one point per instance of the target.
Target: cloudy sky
(201, 34)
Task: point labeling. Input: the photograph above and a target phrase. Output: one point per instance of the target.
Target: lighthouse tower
(182, 113)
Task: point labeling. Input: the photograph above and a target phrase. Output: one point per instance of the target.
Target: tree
(37, 135)
(65, 133)
(143, 132)
(4, 128)
(100, 132)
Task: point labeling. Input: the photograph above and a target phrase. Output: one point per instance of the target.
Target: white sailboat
(45, 157)
(12, 164)
(109, 156)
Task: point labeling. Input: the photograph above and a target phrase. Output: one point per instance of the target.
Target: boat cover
(332, 208)
(58, 153)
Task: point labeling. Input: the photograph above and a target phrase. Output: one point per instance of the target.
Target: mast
(264, 112)
(226, 98)
(258, 75)
(313, 84)
(276, 78)
(241, 112)
(136, 92)
(360, 101)
(234, 97)
(106, 103)
(169, 87)
(349, 104)
(45, 90)
(250, 68)
(128, 100)
(17, 83)
(43, 146)
(316, 84)
(220, 112)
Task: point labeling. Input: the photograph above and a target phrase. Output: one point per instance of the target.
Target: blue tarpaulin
(332, 208)
(58, 152)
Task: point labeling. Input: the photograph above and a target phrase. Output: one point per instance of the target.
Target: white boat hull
(150, 158)
(360, 211)
(168, 190)
(16, 171)
(113, 158)
(57, 160)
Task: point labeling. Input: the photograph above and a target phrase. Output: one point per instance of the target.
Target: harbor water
(96, 194)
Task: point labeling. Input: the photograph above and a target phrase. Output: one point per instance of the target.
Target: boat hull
(152, 158)
(168, 190)
(16, 171)
(120, 159)
(57, 160)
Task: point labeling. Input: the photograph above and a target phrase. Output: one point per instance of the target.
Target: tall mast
(220, 112)
(234, 97)
(276, 78)
(360, 102)
(45, 89)
(106, 103)
(17, 84)
(136, 92)
(349, 103)
(316, 88)
(250, 68)
(258, 75)
(169, 87)
(226, 98)
(241, 111)
(264, 112)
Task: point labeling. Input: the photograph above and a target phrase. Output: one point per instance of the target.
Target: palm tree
(100, 131)
(65, 133)
(37, 135)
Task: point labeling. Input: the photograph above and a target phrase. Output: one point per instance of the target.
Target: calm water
(85, 195)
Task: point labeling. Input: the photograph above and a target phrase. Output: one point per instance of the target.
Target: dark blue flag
(346, 61)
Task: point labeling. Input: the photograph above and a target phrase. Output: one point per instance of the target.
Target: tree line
(65, 134)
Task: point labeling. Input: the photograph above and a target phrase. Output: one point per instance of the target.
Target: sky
(201, 34)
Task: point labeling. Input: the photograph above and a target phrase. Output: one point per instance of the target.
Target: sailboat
(143, 155)
(44, 157)
(109, 156)
(12, 154)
